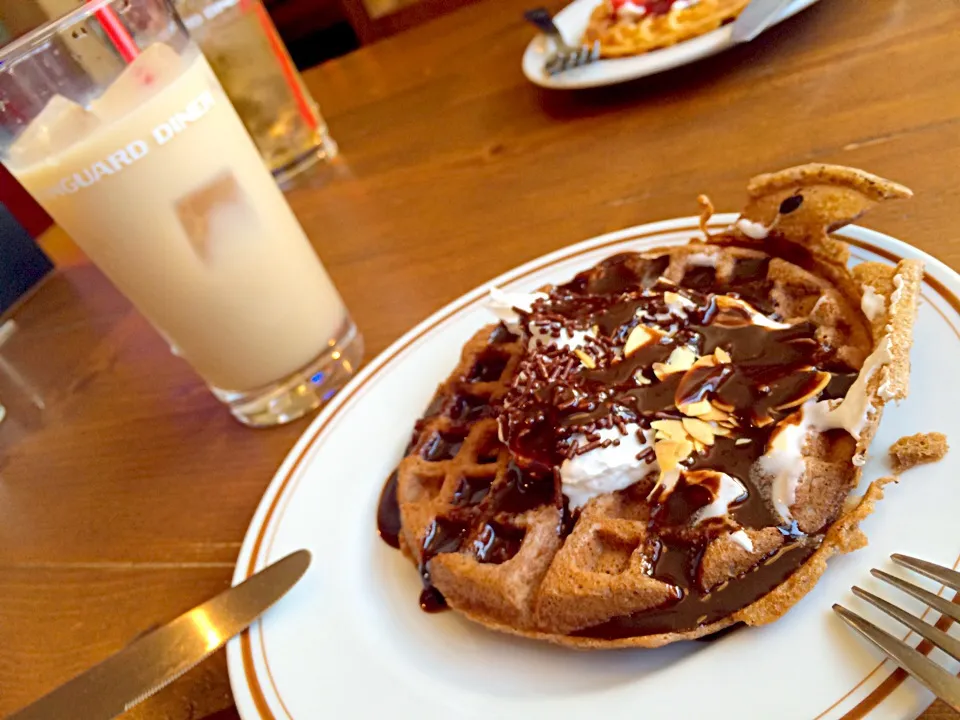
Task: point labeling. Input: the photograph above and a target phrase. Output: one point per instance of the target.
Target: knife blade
(756, 18)
(158, 658)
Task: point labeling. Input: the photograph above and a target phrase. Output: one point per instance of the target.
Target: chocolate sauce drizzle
(557, 398)
(695, 609)
(388, 513)
(471, 524)
(556, 401)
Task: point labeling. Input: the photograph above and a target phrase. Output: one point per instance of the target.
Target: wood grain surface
(125, 489)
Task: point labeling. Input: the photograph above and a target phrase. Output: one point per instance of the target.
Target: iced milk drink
(162, 187)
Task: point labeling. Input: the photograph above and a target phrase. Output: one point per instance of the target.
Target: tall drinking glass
(115, 123)
(242, 45)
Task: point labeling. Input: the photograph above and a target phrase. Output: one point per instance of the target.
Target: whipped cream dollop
(783, 461)
(607, 469)
(741, 538)
(872, 303)
(729, 491)
(702, 260)
(753, 230)
(630, 11)
(567, 339)
(784, 457)
(504, 305)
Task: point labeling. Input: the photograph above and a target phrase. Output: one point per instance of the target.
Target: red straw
(286, 67)
(117, 33)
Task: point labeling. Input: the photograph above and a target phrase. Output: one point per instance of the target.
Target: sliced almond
(587, 361)
(698, 430)
(742, 441)
(677, 301)
(705, 361)
(714, 415)
(821, 381)
(695, 409)
(681, 359)
(722, 356)
(641, 335)
(670, 453)
(665, 483)
(722, 406)
(684, 450)
(749, 313)
(640, 379)
(722, 431)
(669, 430)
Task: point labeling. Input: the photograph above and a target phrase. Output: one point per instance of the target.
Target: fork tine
(923, 669)
(566, 60)
(950, 578)
(941, 605)
(949, 645)
(554, 65)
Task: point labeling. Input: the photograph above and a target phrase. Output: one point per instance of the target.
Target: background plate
(350, 641)
(572, 21)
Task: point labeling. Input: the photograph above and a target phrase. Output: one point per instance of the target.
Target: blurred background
(314, 31)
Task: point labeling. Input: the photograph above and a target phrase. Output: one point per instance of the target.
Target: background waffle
(625, 37)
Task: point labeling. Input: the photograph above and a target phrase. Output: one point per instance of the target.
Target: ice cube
(217, 211)
(59, 125)
(154, 68)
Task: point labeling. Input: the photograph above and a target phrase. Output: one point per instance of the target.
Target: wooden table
(124, 500)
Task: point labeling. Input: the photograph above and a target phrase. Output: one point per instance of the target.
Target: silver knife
(757, 17)
(158, 658)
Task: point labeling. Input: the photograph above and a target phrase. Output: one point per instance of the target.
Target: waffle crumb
(912, 450)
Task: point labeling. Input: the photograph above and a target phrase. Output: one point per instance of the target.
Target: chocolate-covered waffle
(666, 444)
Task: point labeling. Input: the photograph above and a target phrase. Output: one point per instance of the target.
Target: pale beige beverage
(161, 186)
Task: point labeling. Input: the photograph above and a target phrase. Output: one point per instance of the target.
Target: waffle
(732, 386)
(665, 23)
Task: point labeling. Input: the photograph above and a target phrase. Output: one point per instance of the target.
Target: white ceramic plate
(350, 641)
(572, 22)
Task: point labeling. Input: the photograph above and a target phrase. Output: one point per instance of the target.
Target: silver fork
(943, 684)
(565, 56)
